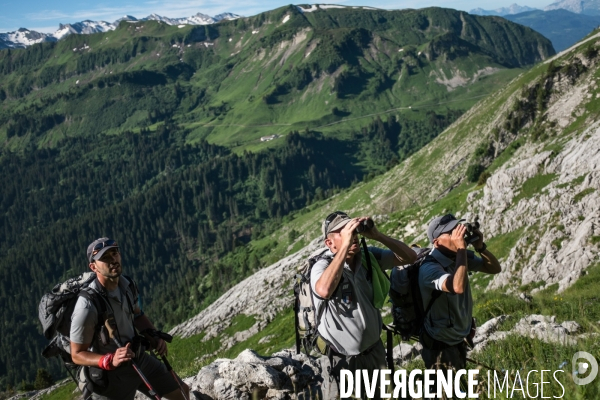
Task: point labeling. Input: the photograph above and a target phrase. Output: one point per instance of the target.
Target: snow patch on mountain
(576, 6)
(510, 10)
(25, 37)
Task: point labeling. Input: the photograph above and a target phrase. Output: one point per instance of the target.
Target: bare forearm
(86, 358)
(404, 254)
(328, 281)
(82, 356)
(142, 323)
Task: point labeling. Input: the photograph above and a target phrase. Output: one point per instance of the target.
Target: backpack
(405, 295)
(56, 308)
(305, 316)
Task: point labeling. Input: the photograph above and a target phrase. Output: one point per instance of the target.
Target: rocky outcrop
(284, 375)
(557, 224)
(262, 295)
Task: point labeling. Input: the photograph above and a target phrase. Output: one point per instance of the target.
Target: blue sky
(44, 15)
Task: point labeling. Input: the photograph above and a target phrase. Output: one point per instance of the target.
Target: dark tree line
(175, 209)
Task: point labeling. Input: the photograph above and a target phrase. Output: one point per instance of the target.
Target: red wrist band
(105, 362)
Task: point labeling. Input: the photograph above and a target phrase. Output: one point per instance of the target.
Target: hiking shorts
(124, 381)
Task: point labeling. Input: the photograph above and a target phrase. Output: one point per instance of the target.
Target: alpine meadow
(212, 153)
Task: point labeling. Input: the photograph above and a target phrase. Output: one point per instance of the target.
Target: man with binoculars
(346, 298)
(444, 285)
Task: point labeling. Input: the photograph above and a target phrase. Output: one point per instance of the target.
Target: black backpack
(405, 296)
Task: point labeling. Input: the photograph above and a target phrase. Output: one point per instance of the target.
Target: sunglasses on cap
(446, 218)
(101, 245)
(332, 216)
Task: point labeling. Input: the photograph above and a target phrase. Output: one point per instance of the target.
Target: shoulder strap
(389, 354)
(99, 302)
(436, 293)
(369, 263)
(368, 257)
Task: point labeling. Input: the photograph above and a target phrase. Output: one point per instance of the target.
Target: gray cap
(441, 225)
(100, 245)
(334, 221)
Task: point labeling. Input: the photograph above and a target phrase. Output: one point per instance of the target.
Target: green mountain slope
(150, 134)
(526, 161)
(248, 72)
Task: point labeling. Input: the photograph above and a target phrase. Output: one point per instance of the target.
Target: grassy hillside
(501, 135)
(150, 134)
(235, 81)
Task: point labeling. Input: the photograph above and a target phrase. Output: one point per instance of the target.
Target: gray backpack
(56, 308)
(306, 316)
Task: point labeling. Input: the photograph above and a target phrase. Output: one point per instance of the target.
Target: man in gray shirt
(444, 279)
(350, 322)
(121, 380)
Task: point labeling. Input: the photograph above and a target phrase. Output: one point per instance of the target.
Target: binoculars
(364, 226)
(470, 235)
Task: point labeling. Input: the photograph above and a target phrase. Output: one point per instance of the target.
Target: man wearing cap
(88, 348)
(444, 284)
(345, 295)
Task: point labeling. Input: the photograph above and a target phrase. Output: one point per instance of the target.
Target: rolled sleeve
(317, 270)
(433, 276)
(83, 322)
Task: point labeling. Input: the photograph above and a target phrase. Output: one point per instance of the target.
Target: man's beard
(113, 271)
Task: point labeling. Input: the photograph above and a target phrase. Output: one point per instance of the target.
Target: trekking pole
(137, 369)
(168, 338)
(174, 374)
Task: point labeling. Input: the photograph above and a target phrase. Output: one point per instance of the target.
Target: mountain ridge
(502, 11)
(24, 37)
(163, 125)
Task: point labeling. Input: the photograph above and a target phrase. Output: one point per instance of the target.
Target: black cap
(101, 245)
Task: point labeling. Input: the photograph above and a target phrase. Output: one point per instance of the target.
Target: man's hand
(347, 232)
(478, 244)
(161, 347)
(349, 239)
(123, 354)
(404, 254)
(372, 233)
(457, 237)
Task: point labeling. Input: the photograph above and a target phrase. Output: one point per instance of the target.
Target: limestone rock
(250, 376)
(405, 352)
(543, 328)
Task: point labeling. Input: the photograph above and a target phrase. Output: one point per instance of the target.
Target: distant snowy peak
(226, 16)
(125, 18)
(510, 10)
(83, 28)
(24, 37)
(576, 6)
(198, 19)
